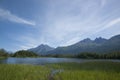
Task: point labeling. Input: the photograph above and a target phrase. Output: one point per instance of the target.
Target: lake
(42, 61)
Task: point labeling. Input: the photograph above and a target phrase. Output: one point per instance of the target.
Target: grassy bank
(3, 57)
(22, 72)
(70, 71)
(89, 71)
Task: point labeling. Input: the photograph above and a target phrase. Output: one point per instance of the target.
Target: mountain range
(99, 45)
(41, 49)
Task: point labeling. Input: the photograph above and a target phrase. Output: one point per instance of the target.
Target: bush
(24, 53)
(3, 53)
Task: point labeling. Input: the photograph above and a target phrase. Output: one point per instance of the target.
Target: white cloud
(103, 2)
(27, 42)
(109, 24)
(72, 41)
(5, 14)
(113, 22)
(69, 19)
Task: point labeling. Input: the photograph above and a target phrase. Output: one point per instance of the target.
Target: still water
(42, 61)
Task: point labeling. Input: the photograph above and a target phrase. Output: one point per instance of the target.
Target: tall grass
(70, 71)
(23, 72)
(88, 71)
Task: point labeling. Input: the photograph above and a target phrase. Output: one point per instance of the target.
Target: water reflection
(41, 61)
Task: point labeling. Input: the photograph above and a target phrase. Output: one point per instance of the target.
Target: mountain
(99, 45)
(112, 45)
(86, 45)
(100, 40)
(41, 49)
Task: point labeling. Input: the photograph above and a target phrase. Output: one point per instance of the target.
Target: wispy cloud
(103, 2)
(27, 41)
(109, 24)
(113, 22)
(69, 19)
(72, 41)
(7, 15)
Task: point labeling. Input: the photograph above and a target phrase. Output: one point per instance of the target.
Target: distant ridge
(41, 49)
(99, 45)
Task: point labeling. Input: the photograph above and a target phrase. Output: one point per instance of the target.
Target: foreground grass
(23, 72)
(88, 71)
(3, 57)
(70, 71)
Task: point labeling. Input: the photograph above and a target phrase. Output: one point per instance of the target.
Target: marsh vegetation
(70, 71)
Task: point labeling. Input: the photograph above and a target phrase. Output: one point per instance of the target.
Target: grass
(89, 71)
(3, 57)
(70, 71)
(23, 72)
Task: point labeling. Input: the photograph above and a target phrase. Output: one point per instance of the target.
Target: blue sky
(28, 23)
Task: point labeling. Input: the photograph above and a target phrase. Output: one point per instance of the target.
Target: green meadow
(23, 72)
(89, 71)
(65, 71)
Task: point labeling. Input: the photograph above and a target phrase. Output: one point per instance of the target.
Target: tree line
(87, 55)
(21, 53)
(3, 53)
(84, 55)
